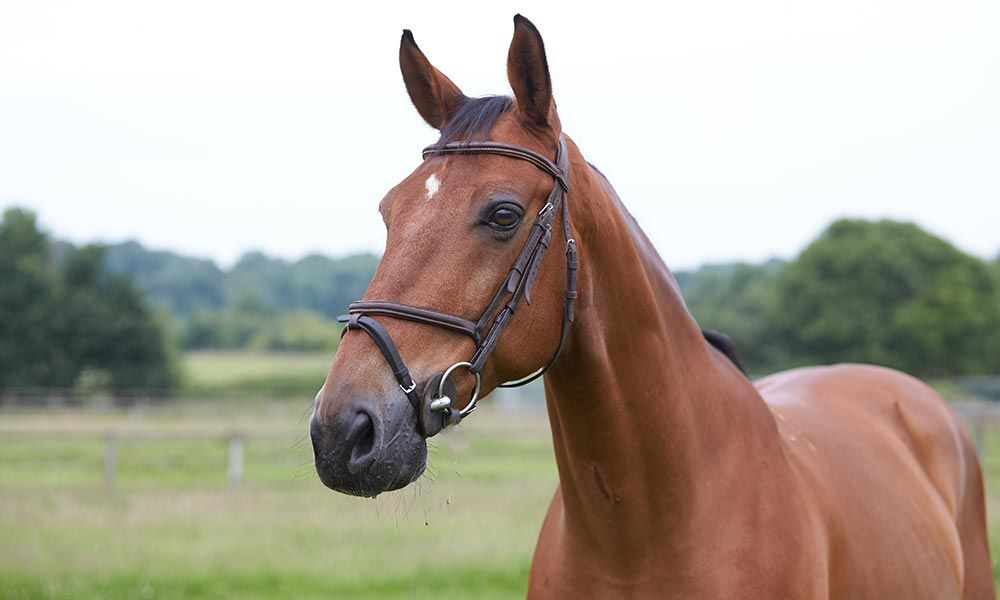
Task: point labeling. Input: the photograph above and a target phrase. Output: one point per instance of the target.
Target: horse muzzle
(364, 451)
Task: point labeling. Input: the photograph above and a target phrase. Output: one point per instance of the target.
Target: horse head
(467, 231)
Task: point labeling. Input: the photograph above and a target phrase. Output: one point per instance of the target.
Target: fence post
(235, 468)
(110, 460)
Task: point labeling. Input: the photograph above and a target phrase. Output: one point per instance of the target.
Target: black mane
(475, 119)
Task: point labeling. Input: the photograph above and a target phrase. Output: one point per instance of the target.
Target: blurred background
(176, 180)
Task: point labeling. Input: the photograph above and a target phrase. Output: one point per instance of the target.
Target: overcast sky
(731, 129)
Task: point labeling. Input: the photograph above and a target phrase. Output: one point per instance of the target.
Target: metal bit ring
(475, 391)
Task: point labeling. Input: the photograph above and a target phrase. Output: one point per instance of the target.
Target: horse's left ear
(528, 73)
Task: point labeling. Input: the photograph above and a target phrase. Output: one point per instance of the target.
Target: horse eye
(504, 218)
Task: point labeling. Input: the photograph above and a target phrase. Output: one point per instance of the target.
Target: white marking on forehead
(433, 184)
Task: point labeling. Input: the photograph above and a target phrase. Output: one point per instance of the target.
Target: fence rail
(980, 418)
(113, 439)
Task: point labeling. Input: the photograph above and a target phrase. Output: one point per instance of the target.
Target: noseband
(435, 406)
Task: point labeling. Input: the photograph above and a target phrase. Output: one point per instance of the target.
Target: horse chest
(718, 562)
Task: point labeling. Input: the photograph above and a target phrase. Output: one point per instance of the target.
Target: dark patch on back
(725, 345)
(475, 119)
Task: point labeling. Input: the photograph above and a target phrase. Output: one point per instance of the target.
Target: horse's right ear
(436, 98)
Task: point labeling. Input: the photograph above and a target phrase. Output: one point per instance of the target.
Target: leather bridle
(435, 406)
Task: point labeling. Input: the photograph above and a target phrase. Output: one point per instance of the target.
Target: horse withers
(678, 476)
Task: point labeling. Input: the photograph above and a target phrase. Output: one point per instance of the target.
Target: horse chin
(398, 477)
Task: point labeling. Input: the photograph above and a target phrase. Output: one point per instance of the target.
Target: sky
(732, 130)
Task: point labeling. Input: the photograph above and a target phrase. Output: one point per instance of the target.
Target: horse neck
(643, 411)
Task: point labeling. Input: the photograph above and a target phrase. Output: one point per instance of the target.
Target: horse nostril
(361, 441)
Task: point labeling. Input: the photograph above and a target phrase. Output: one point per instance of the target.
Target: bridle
(435, 406)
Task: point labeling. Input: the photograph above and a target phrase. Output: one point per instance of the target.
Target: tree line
(260, 302)
(883, 292)
(184, 285)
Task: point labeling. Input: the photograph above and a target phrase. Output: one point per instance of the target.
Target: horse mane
(474, 119)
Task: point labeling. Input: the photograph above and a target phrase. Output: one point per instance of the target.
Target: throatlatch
(435, 406)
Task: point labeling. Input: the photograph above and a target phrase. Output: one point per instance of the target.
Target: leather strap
(388, 349)
(555, 169)
(413, 313)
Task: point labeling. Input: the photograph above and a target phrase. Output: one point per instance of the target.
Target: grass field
(214, 373)
(990, 461)
(171, 527)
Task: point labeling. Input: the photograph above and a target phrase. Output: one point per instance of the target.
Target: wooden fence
(115, 440)
(234, 460)
(980, 418)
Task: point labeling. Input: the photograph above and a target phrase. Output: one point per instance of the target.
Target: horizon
(378, 255)
(213, 131)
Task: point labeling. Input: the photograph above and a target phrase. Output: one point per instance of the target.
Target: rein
(435, 405)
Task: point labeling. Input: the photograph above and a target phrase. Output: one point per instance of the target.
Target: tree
(267, 279)
(29, 350)
(61, 321)
(316, 283)
(187, 286)
(108, 327)
(327, 285)
(179, 284)
(889, 293)
(737, 299)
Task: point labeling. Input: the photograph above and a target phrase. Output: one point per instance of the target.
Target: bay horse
(678, 476)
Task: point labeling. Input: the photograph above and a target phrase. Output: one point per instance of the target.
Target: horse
(679, 477)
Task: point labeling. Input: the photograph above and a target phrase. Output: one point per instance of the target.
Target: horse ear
(434, 95)
(528, 73)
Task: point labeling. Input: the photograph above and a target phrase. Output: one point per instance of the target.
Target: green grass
(239, 373)
(990, 461)
(172, 528)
